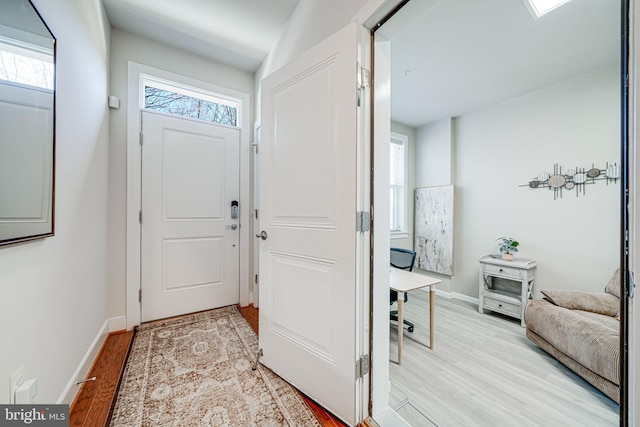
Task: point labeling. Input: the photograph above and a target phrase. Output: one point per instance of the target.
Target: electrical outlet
(16, 380)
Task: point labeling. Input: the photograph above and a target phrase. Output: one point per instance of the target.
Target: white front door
(308, 261)
(190, 242)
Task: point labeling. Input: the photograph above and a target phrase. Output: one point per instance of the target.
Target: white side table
(506, 286)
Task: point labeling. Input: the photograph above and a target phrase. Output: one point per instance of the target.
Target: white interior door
(308, 201)
(190, 242)
(256, 217)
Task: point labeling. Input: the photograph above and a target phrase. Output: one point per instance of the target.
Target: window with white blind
(398, 182)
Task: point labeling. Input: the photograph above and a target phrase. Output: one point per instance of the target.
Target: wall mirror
(27, 123)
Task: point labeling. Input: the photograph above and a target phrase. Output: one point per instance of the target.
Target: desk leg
(432, 306)
(400, 324)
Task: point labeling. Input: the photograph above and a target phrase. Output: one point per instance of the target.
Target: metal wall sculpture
(571, 179)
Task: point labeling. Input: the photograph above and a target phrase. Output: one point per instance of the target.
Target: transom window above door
(179, 100)
(25, 63)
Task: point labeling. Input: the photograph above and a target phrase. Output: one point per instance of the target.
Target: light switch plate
(114, 102)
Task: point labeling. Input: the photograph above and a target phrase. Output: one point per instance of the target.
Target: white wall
(129, 47)
(434, 155)
(53, 291)
(574, 240)
(434, 166)
(311, 22)
(487, 154)
(410, 132)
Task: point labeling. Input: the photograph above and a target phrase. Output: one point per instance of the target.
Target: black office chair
(404, 259)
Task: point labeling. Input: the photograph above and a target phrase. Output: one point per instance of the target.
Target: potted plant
(507, 247)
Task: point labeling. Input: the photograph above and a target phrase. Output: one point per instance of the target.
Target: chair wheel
(410, 329)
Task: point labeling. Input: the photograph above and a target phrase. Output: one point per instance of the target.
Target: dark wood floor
(95, 401)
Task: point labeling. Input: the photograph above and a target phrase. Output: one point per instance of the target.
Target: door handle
(233, 226)
(263, 235)
(234, 209)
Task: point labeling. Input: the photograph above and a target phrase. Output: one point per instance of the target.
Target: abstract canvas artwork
(434, 229)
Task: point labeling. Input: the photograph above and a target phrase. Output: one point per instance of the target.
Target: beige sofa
(581, 330)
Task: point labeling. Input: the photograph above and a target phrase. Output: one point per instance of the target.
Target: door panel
(190, 255)
(318, 286)
(298, 134)
(308, 209)
(192, 262)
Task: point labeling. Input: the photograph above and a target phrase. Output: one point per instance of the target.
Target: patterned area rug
(195, 370)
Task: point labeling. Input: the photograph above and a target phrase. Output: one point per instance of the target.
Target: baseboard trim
(369, 422)
(70, 391)
(117, 323)
(388, 418)
(458, 296)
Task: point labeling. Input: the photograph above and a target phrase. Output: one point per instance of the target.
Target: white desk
(403, 281)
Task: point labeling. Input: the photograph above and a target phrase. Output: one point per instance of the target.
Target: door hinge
(139, 295)
(141, 138)
(255, 213)
(363, 221)
(365, 77)
(255, 145)
(364, 81)
(256, 279)
(362, 366)
(140, 216)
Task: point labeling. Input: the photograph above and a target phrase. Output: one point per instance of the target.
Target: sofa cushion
(599, 302)
(613, 286)
(610, 323)
(588, 338)
(607, 387)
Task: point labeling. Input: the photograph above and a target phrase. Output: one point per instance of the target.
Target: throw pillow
(613, 287)
(594, 302)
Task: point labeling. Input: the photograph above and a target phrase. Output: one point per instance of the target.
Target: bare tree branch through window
(187, 106)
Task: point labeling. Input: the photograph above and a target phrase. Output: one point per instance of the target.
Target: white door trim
(381, 235)
(378, 387)
(634, 219)
(255, 208)
(134, 182)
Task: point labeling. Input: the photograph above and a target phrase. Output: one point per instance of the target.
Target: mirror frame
(51, 226)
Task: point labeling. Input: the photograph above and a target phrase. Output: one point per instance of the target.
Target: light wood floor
(483, 371)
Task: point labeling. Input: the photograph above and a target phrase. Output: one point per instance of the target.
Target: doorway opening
(463, 144)
(235, 106)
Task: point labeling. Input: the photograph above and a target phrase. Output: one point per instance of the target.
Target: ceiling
(462, 55)
(239, 33)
